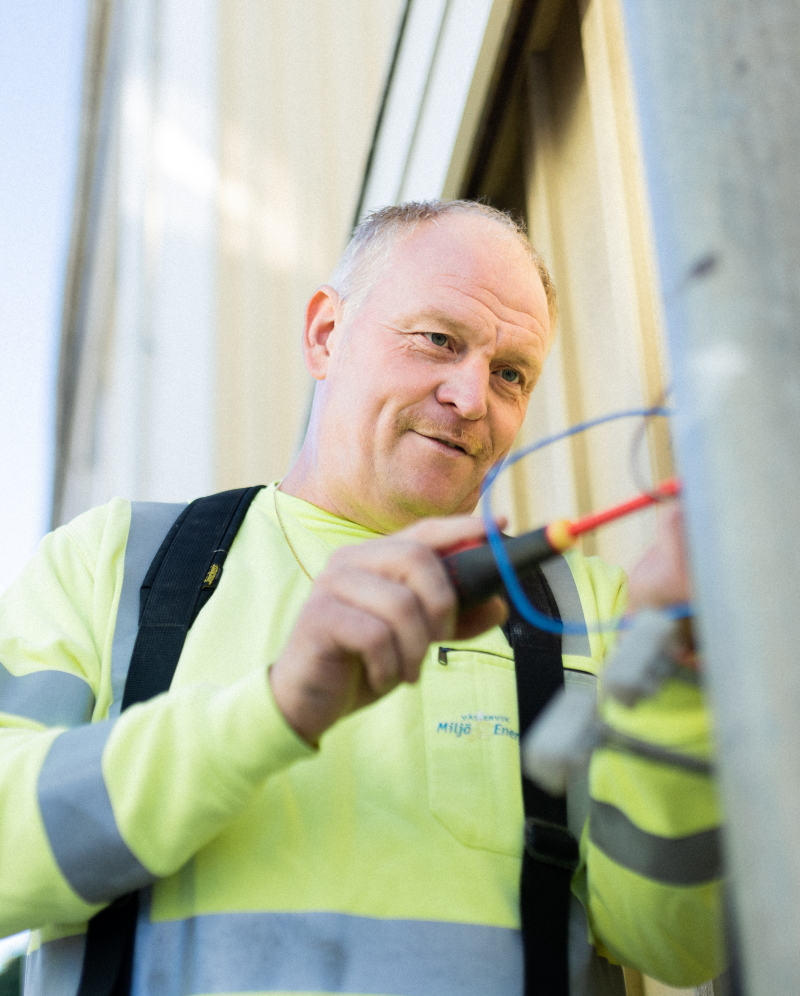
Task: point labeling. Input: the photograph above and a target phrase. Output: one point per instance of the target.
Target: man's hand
(368, 623)
(661, 577)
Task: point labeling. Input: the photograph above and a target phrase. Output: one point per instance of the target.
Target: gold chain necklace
(286, 536)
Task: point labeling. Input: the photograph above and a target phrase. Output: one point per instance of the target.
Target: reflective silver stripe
(691, 860)
(565, 592)
(55, 968)
(324, 952)
(150, 523)
(79, 821)
(53, 698)
(578, 784)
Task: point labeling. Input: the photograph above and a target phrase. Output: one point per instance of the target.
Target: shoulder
(58, 614)
(76, 564)
(88, 543)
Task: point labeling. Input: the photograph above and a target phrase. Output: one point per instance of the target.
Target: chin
(423, 503)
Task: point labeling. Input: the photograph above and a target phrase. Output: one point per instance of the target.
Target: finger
(409, 557)
(437, 534)
(395, 603)
(673, 536)
(661, 576)
(355, 632)
(442, 533)
(414, 565)
(337, 659)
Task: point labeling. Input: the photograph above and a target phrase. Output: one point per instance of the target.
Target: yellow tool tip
(559, 536)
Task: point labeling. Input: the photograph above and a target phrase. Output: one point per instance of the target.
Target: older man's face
(429, 380)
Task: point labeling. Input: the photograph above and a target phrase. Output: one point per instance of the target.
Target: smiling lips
(442, 440)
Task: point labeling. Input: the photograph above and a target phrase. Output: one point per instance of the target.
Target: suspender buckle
(551, 843)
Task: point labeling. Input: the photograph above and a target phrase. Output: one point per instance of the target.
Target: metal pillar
(718, 88)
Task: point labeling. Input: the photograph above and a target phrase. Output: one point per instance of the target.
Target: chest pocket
(472, 748)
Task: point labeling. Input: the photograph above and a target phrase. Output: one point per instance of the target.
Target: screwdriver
(473, 570)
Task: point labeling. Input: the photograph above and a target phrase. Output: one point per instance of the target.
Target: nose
(466, 388)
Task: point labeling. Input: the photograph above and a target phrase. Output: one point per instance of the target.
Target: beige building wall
(299, 90)
(223, 150)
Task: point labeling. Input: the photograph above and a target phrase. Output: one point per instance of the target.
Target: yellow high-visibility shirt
(387, 861)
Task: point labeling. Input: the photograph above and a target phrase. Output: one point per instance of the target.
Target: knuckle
(375, 634)
(444, 599)
(420, 556)
(316, 605)
(324, 589)
(408, 607)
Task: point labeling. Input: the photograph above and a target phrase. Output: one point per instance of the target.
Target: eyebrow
(440, 318)
(456, 327)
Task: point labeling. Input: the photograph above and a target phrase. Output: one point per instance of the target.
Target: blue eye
(438, 338)
(510, 376)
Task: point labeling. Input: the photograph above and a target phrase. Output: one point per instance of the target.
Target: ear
(323, 316)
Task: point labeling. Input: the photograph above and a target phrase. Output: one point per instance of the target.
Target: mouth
(446, 444)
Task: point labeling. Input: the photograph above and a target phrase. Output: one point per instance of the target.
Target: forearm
(96, 811)
(652, 880)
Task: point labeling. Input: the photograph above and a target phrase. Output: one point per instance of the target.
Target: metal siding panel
(404, 104)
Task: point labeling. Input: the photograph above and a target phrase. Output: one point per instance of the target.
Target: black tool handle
(474, 572)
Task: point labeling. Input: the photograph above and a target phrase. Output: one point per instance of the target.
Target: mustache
(451, 430)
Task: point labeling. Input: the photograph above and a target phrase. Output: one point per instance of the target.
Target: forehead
(464, 262)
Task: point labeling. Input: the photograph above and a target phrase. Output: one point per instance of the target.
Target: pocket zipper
(444, 651)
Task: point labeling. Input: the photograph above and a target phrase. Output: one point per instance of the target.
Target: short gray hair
(374, 239)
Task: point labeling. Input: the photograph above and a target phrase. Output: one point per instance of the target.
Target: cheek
(403, 381)
(507, 422)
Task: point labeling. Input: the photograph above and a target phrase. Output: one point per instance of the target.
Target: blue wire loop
(510, 578)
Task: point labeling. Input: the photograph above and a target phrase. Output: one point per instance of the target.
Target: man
(327, 799)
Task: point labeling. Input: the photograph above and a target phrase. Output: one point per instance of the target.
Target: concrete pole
(718, 88)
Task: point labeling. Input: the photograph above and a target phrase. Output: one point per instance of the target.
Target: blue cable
(510, 579)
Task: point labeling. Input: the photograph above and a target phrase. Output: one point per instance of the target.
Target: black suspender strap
(195, 548)
(551, 852)
(182, 577)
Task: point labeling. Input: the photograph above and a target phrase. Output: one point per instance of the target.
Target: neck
(304, 481)
(316, 478)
